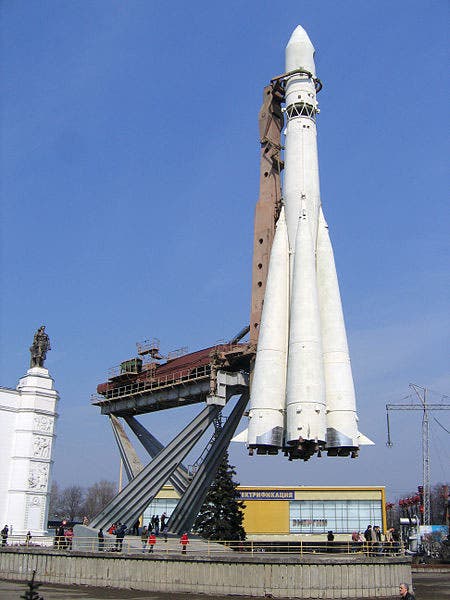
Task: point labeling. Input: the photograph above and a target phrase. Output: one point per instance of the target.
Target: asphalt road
(427, 586)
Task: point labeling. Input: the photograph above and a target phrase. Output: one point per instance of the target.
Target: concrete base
(241, 574)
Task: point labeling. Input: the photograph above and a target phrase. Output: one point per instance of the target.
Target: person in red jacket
(69, 538)
(184, 541)
(151, 542)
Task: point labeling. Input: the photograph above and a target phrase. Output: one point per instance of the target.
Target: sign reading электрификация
(267, 494)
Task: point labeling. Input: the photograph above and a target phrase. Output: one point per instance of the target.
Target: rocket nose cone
(299, 35)
(300, 52)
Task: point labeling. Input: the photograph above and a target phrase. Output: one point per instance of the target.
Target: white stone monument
(27, 435)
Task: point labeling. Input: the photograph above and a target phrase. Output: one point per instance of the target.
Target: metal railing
(172, 546)
(141, 387)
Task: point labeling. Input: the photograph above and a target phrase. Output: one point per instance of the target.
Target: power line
(440, 425)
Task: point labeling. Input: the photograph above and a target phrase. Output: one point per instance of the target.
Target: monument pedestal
(29, 413)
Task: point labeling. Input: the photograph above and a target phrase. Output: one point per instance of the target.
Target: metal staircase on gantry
(212, 377)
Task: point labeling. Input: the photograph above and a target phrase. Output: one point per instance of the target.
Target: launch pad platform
(211, 377)
(187, 379)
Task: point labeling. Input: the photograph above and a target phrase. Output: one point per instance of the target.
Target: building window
(158, 506)
(341, 516)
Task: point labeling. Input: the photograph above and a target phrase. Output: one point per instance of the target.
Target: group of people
(158, 525)
(148, 534)
(5, 533)
(118, 529)
(64, 536)
(155, 527)
(148, 539)
(373, 541)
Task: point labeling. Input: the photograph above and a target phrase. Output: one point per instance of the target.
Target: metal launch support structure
(424, 406)
(302, 398)
(132, 394)
(211, 377)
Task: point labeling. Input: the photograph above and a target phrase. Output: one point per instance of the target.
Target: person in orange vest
(184, 541)
(151, 542)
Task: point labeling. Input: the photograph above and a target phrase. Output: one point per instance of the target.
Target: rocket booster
(302, 397)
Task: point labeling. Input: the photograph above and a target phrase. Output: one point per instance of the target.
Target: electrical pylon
(424, 406)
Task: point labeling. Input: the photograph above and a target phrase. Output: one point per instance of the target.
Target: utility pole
(425, 407)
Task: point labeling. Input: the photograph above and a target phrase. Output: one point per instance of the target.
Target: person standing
(184, 541)
(405, 593)
(144, 536)
(28, 538)
(376, 539)
(120, 534)
(361, 541)
(135, 530)
(389, 540)
(396, 542)
(157, 525)
(4, 534)
(101, 540)
(69, 538)
(355, 541)
(163, 521)
(151, 542)
(112, 529)
(60, 536)
(330, 540)
(368, 538)
(165, 532)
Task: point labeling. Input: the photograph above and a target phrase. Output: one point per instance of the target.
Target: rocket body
(302, 396)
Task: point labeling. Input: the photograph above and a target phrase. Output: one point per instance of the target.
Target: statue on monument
(39, 348)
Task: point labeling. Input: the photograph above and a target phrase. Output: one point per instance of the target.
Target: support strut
(130, 503)
(189, 505)
(180, 478)
(130, 459)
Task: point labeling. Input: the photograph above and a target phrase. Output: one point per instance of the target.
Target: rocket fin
(241, 437)
(268, 387)
(342, 422)
(364, 441)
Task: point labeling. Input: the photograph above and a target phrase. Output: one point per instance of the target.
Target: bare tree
(54, 510)
(438, 506)
(439, 503)
(97, 497)
(72, 502)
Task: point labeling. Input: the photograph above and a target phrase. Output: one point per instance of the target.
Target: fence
(172, 546)
(187, 375)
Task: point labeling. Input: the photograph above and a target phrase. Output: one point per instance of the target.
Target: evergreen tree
(221, 515)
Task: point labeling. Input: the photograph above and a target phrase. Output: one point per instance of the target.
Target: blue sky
(129, 179)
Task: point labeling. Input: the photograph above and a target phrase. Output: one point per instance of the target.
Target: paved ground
(432, 586)
(427, 586)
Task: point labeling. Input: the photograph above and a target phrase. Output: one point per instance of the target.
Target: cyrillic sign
(266, 494)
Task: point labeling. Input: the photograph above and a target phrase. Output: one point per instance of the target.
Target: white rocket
(302, 397)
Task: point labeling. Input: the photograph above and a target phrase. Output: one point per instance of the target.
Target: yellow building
(308, 513)
(298, 512)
